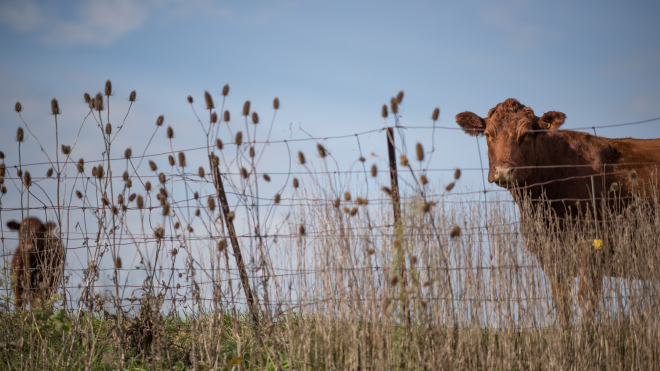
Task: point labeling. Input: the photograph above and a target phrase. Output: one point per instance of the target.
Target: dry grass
(337, 283)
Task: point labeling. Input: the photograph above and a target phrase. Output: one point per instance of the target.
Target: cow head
(513, 132)
(34, 236)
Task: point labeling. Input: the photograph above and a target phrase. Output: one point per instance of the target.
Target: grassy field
(181, 260)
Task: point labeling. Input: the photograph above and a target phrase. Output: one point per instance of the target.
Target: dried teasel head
(2, 155)
(140, 202)
(426, 207)
(353, 211)
(226, 116)
(87, 98)
(347, 195)
(54, 107)
(18, 107)
(386, 190)
(94, 171)
(49, 173)
(457, 174)
(374, 170)
(152, 166)
(3, 169)
(125, 177)
(246, 108)
(614, 187)
(105, 200)
(277, 198)
(66, 149)
(436, 114)
(215, 161)
(20, 134)
(336, 203)
(222, 244)
(132, 97)
(399, 97)
(296, 183)
(98, 102)
(208, 100)
(230, 216)
(159, 232)
(225, 90)
(196, 195)
(182, 159)
(201, 172)
(198, 212)
(27, 179)
(218, 144)
(214, 117)
(99, 172)
(79, 194)
(118, 260)
(423, 179)
(211, 203)
(455, 232)
(161, 178)
(120, 199)
(114, 210)
(147, 186)
(170, 160)
(633, 176)
(276, 103)
(450, 186)
(166, 209)
(362, 201)
(419, 151)
(160, 120)
(301, 158)
(177, 225)
(19, 172)
(81, 166)
(394, 106)
(244, 173)
(301, 230)
(239, 138)
(394, 280)
(384, 112)
(362, 159)
(321, 150)
(108, 88)
(190, 99)
(404, 160)
(131, 198)
(252, 152)
(128, 153)
(267, 177)
(108, 129)
(3, 190)
(170, 132)
(255, 118)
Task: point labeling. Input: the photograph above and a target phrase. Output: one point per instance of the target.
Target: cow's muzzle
(502, 176)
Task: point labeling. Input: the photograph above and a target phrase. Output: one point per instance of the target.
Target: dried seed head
(457, 174)
(336, 203)
(18, 107)
(277, 198)
(244, 173)
(161, 178)
(419, 151)
(301, 230)
(66, 149)
(128, 153)
(132, 97)
(20, 134)
(218, 143)
(196, 195)
(3, 189)
(190, 99)
(394, 106)
(215, 161)
(371, 251)
(170, 132)
(140, 202)
(301, 158)
(159, 233)
(54, 107)
(450, 186)
(166, 209)
(374, 170)
(120, 199)
(2, 155)
(182, 159)
(108, 88)
(436, 114)
(399, 97)
(147, 186)
(105, 200)
(295, 183)
(404, 160)
(81, 165)
(267, 177)
(49, 173)
(222, 244)
(246, 108)
(225, 90)
(362, 159)
(28, 179)
(211, 203)
(171, 160)
(160, 120)
(384, 111)
(125, 176)
(174, 252)
(423, 179)
(347, 196)
(239, 138)
(614, 187)
(226, 116)
(99, 172)
(2, 180)
(321, 150)
(362, 201)
(214, 117)
(94, 171)
(255, 118)
(2, 169)
(197, 212)
(79, 194)
(201, 172)
(98, 102)
(354, 211)
(153, 166)
(230, 216)
(413, 260)
(114, 210)
(108, 129)
(118, 260)
(208, 100)
(19, 172)
(633, 176)
(87, 98)
(426, 207)
(276, 103)
(386, 190)
(252, 152)
(394, 280)
(455, 232)
(177, 225)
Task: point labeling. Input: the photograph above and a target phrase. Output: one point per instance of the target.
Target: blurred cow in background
(37, 264)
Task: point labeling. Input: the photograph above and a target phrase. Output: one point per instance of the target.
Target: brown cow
(37, 263)
(535, 160)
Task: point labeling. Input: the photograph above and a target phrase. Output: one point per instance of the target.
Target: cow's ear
(50, 226)
(13, 225)
(552, 120)
(471, 123)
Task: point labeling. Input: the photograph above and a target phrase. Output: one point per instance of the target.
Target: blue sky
(332, 64)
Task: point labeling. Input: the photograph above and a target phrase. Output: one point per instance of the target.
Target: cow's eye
(487, 135)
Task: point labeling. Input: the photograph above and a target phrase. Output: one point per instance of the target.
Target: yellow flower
(598, 244)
